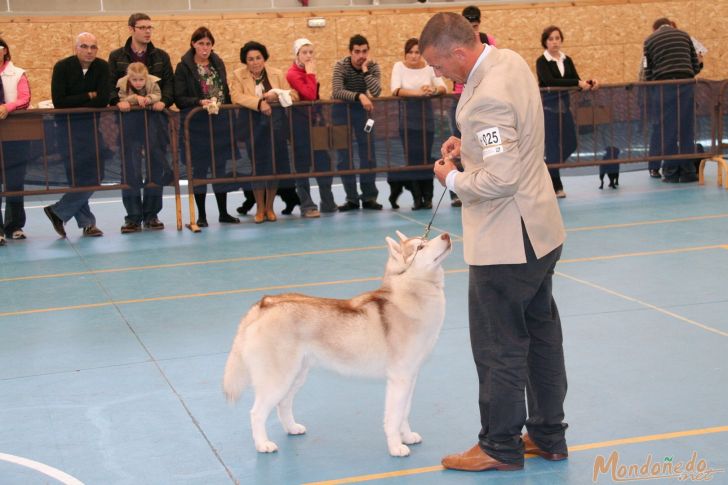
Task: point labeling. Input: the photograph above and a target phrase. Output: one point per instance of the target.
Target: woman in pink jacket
(14, 95)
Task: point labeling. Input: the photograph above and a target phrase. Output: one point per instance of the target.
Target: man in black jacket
(139, 48)
(80, 81)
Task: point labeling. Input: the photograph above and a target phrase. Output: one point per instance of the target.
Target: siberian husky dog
(383, 333)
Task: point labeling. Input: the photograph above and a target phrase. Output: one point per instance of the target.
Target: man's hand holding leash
(450, 150)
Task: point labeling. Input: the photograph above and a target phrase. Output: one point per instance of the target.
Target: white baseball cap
(298, 43)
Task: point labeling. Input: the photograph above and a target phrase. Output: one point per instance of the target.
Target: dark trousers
(515, 333)
(83, 167)
(305, 158)
(144, 164)
(365, 150)
(672, 110)
(560, 141)
(15, 155)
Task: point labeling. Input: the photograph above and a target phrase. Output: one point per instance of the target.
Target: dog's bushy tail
(236, 375)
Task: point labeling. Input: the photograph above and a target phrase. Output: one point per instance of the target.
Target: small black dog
(611, 170)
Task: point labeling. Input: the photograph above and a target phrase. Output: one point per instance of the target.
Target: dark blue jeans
(672, 111)
(305, 158)
(15, 155)
(364, 143)
(144, 164)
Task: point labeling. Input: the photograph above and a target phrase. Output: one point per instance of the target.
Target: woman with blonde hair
(138, 87)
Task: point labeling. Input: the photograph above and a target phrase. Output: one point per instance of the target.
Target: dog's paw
(266, 447)
(399, 450)
(296, 429)
(411, 438)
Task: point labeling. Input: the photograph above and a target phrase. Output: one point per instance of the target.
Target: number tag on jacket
(491, 142)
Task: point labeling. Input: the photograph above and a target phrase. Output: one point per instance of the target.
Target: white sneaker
(311, 214)
(560, 194)
(19, 234)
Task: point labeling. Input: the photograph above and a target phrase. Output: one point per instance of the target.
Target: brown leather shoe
(533, 449)
(476, 460)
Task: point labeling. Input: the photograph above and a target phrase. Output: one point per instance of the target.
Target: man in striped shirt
(669, 54)
(357, 80)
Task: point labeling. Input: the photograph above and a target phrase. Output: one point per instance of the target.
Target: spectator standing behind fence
(415, 80)
(669, 54)
(138, 87)
(302, 77)
(512, 239)
(357, 79)
(143, 202)
(556, 69)
(254, 86)
(80, 81)
(14, 95)
(200, 80)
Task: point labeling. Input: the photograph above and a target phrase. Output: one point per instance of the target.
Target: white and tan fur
(383, 333)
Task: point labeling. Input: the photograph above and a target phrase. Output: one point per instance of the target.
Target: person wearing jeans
(357, 79)
(302, 77)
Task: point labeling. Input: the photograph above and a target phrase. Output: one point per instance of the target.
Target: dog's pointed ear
(394, 247)
(401, 236)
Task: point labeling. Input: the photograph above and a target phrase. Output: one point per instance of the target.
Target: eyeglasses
(145, 28)
(88, 47)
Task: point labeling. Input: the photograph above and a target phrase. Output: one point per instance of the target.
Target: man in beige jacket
(513, 234)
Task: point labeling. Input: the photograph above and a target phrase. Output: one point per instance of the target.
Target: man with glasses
(139, 48)
(79, 81)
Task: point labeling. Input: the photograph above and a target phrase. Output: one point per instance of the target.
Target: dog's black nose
(445, 237)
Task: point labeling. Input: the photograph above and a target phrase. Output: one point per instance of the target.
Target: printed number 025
(490, 138)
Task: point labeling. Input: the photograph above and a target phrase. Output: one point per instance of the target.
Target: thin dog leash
(429, 225)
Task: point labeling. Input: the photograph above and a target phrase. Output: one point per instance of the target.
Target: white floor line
(644, 303)
(42, 468)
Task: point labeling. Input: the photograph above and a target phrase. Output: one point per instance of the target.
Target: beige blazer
(505, 179)
(242, 86)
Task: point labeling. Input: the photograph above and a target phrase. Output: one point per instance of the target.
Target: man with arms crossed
(357, 80)
(513, 234)
(79, 81)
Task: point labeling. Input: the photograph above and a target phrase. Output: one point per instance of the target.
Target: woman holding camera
(556, 69)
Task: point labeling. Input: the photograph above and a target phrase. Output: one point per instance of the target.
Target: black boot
(248, 203)
(224, 217)
(290, 197)
(201, 212)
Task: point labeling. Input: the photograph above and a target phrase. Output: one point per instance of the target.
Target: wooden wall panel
(603, 37)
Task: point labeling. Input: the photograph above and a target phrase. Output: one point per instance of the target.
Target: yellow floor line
(644, 253)
(329, 251)
(192, 263)
(647, 223)
(189, 295)
(572, 449)
(643, 303)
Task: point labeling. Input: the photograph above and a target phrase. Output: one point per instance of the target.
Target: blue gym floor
(112, 349)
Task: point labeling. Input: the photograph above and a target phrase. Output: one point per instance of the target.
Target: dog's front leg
(395, 406)
(409, 437)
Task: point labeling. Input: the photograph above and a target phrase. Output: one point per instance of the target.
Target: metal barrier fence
(720, 140)
(53, 151)
(59, 151)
